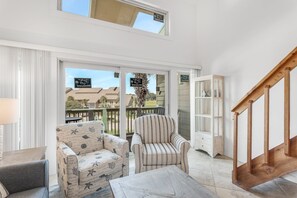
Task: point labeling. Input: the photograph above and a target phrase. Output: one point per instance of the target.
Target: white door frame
(124, 71)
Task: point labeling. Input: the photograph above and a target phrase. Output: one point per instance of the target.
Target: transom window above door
(129, 13)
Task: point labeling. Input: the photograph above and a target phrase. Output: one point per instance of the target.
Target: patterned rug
(104, 193)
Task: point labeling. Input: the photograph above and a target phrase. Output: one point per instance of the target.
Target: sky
(143, 21)
(104, 79)
(146, 22)
(80, 7)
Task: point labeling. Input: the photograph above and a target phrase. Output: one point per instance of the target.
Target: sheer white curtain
(9, 88)
(34, 71)
(27, 74)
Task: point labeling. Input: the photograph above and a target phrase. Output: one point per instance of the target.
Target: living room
(240, 40)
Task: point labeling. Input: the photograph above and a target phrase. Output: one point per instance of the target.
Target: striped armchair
(87, 158)
(156, 144)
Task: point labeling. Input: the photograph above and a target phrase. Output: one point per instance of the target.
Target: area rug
(104, 193)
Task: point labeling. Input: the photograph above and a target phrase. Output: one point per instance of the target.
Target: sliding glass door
(146, 93)
(93, 94)
(116, 96)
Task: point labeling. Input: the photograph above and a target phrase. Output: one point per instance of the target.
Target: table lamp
(8, 114)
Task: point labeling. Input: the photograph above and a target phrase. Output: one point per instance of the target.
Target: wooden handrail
(289, 62)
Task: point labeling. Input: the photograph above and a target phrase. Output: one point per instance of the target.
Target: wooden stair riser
(280, 164)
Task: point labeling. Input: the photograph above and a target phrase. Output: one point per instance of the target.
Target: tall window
(123, 12)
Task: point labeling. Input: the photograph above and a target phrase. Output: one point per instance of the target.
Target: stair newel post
(249, 136)
(266, 124)
(235, 146)
(287, 111)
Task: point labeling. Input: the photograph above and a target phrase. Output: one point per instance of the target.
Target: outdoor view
(95, 95)
(118, 12)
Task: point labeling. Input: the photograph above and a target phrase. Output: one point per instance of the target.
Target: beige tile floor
(215, 174)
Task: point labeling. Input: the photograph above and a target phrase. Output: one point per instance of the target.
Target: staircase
(279, 160)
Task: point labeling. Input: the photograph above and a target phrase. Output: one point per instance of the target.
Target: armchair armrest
(67, 169)
(119, 146)
(180, 143)
(183, 146)
(136, 142)
(26, 176)
(137, 149)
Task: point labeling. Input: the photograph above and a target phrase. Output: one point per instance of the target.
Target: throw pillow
(3, 191)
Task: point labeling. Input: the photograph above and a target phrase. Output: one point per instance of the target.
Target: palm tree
(142, 91)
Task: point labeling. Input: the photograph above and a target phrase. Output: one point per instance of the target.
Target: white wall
(244, 40)
(37, 21)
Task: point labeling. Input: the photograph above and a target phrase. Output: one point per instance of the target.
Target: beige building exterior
(99, 97)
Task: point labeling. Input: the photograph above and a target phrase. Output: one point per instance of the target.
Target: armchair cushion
(82, 138)
(154, 128)
(161, 154)
(98, 164)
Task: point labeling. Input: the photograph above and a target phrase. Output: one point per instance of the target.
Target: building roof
(68, 89)
(93, 95)
(88, 90)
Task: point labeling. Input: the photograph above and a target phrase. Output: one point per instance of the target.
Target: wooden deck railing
(281, 71)
(112, 116)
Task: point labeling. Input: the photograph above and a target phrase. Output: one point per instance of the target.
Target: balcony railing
(111, 116)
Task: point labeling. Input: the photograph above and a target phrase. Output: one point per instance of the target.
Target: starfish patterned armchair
(87, 158)
(156, 144)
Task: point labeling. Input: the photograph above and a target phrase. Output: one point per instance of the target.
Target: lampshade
(9, 111)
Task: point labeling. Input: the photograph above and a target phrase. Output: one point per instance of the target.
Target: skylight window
(79, 7)
(147, 22)
(123, 12)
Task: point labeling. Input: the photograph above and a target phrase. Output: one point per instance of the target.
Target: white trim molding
(80, 56)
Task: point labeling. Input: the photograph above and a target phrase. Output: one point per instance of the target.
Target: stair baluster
(287, 111)
(249, 136)
(235, 147)
(266, 124)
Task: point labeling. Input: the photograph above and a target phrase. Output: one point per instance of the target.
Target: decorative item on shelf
(206, 93)
(203, 93)
(9, 114)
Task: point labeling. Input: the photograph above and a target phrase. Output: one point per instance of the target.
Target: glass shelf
(204, 115)
(200, 97)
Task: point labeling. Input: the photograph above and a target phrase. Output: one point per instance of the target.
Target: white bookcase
(209, 114)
